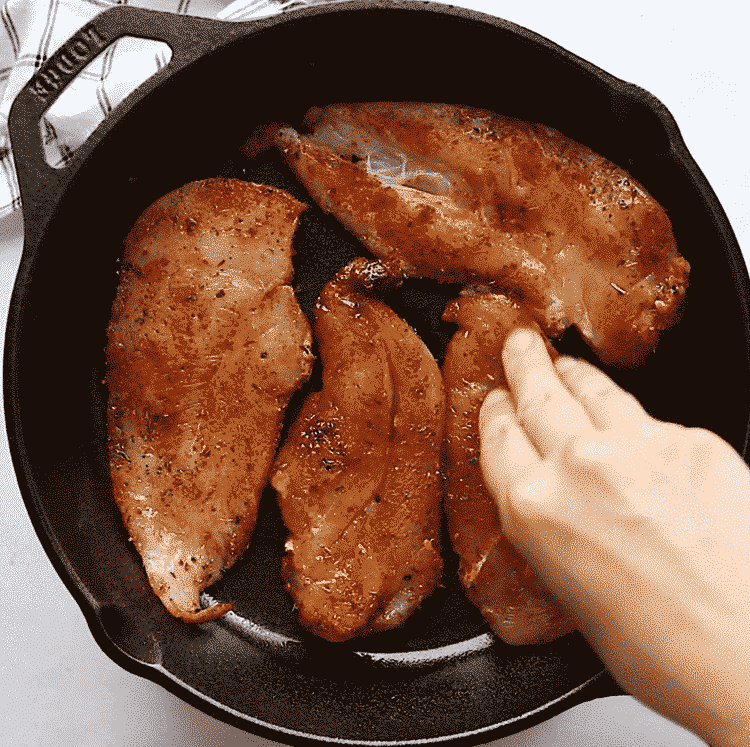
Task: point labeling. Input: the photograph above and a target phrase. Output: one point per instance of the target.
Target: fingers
(546, 411)
(605, 403)
(503, 447)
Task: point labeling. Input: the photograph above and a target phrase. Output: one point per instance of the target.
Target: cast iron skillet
(443, 676)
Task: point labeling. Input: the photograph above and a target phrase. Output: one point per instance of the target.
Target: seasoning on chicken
(466, 195)
(495, 576)
(358, 478)
(206, 346)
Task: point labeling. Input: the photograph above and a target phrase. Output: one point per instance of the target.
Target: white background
(60, 690)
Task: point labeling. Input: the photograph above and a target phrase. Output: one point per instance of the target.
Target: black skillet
(443, 676)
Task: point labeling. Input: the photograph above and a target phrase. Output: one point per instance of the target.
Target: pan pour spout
(358, 478)
(465, 195)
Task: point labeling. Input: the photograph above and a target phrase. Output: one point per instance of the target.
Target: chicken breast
(466, 195)
(495, 576)
(358, 478)
(206, 346)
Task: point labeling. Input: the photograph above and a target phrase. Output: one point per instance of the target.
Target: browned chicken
(358, 477)
(206, 346)
(466, 195)
(496, 578)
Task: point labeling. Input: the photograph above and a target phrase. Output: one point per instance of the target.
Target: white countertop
(60, 690)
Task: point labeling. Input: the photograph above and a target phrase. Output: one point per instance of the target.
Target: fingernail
(565, 363)
(497, 398)
(520, 340)
(496, 405)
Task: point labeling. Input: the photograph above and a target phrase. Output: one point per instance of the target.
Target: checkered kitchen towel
(32, 30)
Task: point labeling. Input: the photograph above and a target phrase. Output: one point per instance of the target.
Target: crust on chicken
(466, 195)
(358, 478)
(495, 576)
(206, 345)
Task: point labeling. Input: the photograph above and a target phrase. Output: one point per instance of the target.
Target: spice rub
(466, 195)
(206, 345)
(358, 478)
(495, 576)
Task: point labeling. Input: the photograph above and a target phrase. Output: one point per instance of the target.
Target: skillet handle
(40, 184)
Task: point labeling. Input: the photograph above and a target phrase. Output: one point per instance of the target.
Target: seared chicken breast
(466, 195)
(206, 345)
(495, 576)
(358, 477)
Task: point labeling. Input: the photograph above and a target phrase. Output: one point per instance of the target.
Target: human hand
(640, 528)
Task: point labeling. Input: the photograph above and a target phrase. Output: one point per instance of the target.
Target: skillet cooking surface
(442, 675)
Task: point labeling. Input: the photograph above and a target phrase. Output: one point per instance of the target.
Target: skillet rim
(667, 121)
